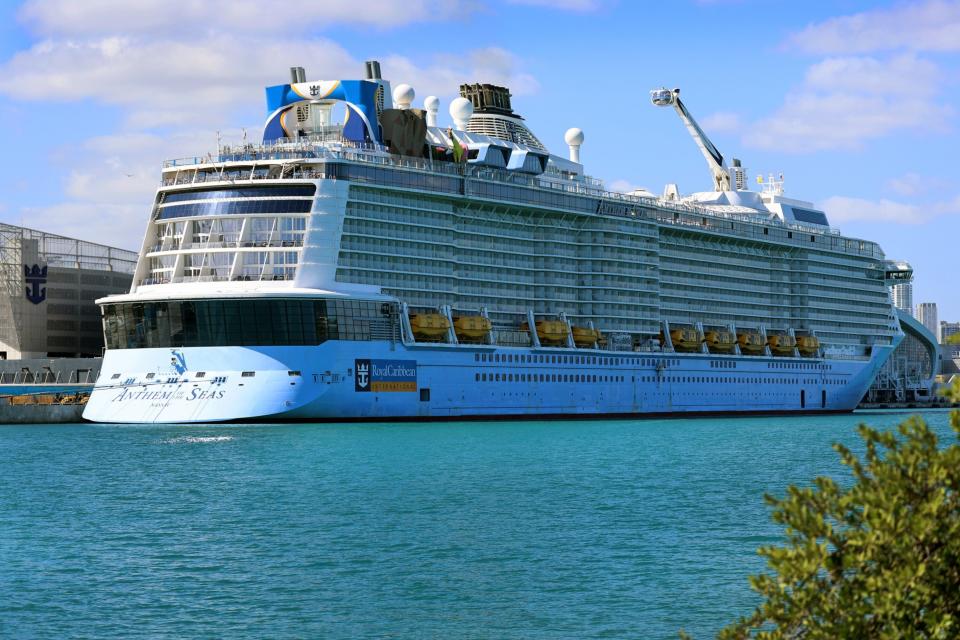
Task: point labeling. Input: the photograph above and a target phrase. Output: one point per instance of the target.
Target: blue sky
(854, 102)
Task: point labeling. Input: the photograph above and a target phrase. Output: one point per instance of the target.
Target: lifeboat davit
(750, 342)
(720, 341)
(552, 332)
(471, 328)
(585, 336)
(685, 339)
(782, 344)
(808, 345)
(429, 327)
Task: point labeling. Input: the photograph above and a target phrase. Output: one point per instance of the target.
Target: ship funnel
(574, 138)
(373, 70)
(432, 106)
(297, 74)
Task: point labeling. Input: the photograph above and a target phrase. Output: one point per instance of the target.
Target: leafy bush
(880, 559)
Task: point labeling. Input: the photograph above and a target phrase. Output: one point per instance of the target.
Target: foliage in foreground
(880, 559)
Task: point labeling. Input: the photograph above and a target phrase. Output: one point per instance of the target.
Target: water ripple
(617, 529)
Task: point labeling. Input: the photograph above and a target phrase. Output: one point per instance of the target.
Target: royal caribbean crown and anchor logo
(385, 375)
(35, 278)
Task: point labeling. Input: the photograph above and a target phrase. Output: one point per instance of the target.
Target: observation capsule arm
(721, 176)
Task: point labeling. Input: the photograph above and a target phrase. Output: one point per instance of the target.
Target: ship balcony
(274, 277)
(201, 246)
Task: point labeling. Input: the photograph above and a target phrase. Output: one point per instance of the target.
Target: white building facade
(927, 315)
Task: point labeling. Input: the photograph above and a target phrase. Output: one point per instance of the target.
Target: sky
(854, 102)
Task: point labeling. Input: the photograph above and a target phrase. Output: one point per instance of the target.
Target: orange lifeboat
(429, 327)
(750, 342)
(471, 328)
(551, 332)
(808, 345)
(685, 339)
(585, 336)
(782, 344)
(720, 341)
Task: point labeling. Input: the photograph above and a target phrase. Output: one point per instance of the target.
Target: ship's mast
(663, 97)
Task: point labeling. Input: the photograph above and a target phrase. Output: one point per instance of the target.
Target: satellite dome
(403, 95)
(431, 103)
(573, 136)
(460, 110)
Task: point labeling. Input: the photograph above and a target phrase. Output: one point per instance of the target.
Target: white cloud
(911, 184)
(933, 25)
(844, 102)
(904, 74)
(444, 75)
(563, 5)
(721, 122)
(162, 82)
(93, 18)
(842, 209)
(116, 225)
(195, 83)
(624, 186)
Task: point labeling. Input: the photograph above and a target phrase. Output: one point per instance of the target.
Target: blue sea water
(593, 529)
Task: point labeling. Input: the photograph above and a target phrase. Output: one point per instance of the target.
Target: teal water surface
(594, 529)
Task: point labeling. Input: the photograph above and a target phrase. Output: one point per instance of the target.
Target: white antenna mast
(663, 97)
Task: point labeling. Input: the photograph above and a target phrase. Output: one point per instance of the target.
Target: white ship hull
(328, 382)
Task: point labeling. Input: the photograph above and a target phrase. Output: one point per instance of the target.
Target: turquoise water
(598, 529)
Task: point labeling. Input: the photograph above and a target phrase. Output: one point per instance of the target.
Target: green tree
(879, 559)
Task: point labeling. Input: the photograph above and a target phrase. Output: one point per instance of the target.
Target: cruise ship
(364, 261)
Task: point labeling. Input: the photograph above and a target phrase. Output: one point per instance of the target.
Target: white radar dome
(403, 95)
(460, 110)
(573, 136)
(431, 103)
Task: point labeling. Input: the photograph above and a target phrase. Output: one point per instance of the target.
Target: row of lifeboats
(555, 332)
(750, 342)
(434, 327)
(474, 329)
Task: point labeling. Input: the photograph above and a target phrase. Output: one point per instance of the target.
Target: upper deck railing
(331, 146)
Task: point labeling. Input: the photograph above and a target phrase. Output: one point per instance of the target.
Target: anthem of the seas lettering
(364, 260)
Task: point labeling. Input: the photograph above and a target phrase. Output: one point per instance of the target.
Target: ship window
(243, 323)
(234, 208)
(247, 192)
(248, 374)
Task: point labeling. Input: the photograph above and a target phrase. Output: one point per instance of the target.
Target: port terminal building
(49, 285)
